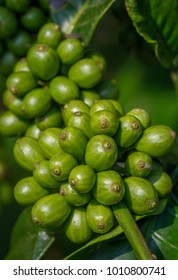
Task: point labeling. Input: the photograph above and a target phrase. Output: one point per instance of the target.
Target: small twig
(132, 232)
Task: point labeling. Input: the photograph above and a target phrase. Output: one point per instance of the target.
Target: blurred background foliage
(142, 82)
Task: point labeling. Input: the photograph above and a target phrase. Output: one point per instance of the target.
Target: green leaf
(79, 17)
(27, 241)
(162, 234)
(157, 22)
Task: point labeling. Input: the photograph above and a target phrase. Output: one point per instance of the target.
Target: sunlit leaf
(157, 22)
(79, 17)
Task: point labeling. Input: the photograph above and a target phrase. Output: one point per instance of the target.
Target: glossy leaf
(27, 241)
(162, 234)
(79, 17)
(157, 22)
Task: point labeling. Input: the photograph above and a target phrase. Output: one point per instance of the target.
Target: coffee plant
(88, 166)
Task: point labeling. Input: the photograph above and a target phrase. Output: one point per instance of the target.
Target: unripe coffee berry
(43, 61)
(81, 121)
(138, 164)
(73, 141)
(28, 191)
(162, 182)
(142, 115)
(72, 196)
(109, 187)
(50, 211)
(140, 195)
(76, 226)
(37, 102)
(63, 90)
(20, 83)
(42, 175)
(128, 132)
(70, 50)
(50, 34)
(102, 104)
(85, 73)
(156, 140)
(49, 142)
(104, 122)
(101, 152)
(60, 166)
(11, 124)
(82, 178)
(72, 107)
(27, 153)
(100, 217)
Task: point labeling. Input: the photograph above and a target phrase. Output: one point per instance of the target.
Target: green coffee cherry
(89, 97)
(27, 191)
(33, 18)
(82, 178)
(156, 140)
(109, 187)
(162, 182)
(99, 217)
(108, 90)
(104, 122)
(128, 132)
(72, 197)
(8, 23)
(27, 153)
(70, 50)
(50, 211)
(13, 103)
(33, 131)
(12, 125)
(21, 65)
(37, 102)
(60, 166)
(117, 105)
(19, 6)
(102, 105)
(99, 59)
(63, 90)
(101, 152)
(49, 142)
(73, 141)
(76, 226)
(72, 107)
(20, 83)
(81, 121)
(140, 195)
(43, 61)
(85, 73)
(142, 115)
(50, 34)
(52, 118)
(42, 175)
(138, 164)
(20, 43)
